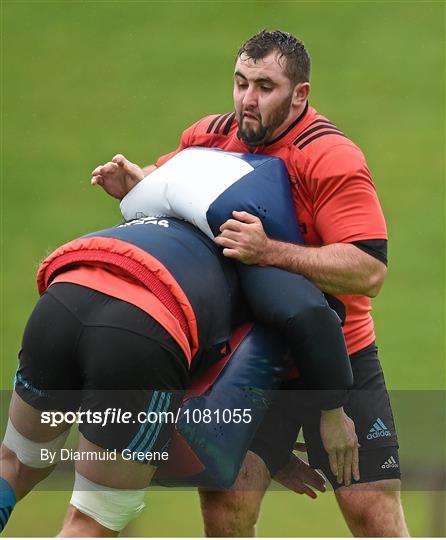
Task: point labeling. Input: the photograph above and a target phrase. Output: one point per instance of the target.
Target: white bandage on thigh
(110, 507)
(34, 454)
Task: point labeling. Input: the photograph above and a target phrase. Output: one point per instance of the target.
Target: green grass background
(85, 80)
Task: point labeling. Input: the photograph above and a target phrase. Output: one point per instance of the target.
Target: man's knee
(231, 513)
(235, 512)
(19, 475)
(98, 510)
(373, 509)
(78, 524)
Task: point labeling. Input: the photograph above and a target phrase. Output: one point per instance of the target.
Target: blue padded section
(293, 306)
(255, 160)
(254, 370)
(264, 192)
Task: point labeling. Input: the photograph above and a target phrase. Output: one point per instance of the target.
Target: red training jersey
(332, 189)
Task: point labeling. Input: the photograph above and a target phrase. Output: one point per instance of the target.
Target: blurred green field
(85, 80)
(178, 514)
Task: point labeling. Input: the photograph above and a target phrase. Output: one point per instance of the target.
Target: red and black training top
(332, 189)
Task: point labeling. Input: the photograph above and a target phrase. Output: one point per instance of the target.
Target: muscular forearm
(335, 268)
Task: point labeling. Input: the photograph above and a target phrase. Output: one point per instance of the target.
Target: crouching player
(124, 315)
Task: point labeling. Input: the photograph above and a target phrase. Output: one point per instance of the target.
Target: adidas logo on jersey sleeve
(390, 463)
(378, 429)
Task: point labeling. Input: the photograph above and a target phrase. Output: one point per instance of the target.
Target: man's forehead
(272, 66)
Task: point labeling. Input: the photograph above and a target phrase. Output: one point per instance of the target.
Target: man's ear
(300, 94)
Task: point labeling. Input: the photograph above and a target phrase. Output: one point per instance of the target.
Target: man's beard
(262, 135)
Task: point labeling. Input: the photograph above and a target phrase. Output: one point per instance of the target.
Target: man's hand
(117, 177)
(298, 476)
(341, 444)
(243, 238)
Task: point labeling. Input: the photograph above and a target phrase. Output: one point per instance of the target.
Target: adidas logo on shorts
(390, 463)
(378, 430)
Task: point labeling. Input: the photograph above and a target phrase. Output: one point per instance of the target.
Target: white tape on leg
(110, 507)
(34, 454)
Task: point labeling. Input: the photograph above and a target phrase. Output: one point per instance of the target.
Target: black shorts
(86, 350)
(368, 405)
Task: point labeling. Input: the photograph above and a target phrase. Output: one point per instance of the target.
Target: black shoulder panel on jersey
(218, 121)
(323, 124)
(221, 121)
(212, 124)
(331, 131)
(229, 124)
(375, 248)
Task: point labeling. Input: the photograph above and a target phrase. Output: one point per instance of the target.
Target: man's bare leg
(235, 512)
(373, 509)
(78, 525)
(27, 422)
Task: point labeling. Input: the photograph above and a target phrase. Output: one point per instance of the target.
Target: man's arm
(335, 268)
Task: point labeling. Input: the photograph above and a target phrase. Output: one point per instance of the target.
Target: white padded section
(29, 452)
(111, 508)
(185, 186)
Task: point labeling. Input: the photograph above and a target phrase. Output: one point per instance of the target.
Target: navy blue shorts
(84, 350)
(368, 405)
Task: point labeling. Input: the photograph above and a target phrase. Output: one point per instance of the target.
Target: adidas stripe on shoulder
(221, 123)
(318, 128)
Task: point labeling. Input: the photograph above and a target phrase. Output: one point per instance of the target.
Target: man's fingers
(355, 464)
(308, 491)
(231, 225)
(108, 168)
(232, 235)
(333, 462)
(340, 466)
(231, 253)
(124, 163)
(245, 217)
(348, 457)
(97, 180)
(225, 242)
(314, 478)
(302, 489)
(120, 160)
(300, 447)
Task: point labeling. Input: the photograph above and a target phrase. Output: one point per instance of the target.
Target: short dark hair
(298, 63)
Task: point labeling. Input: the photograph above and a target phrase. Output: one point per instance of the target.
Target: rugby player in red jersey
(345, 254)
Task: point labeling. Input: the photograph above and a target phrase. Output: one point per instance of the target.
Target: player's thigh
(104, 468)
(135, 376)
(368, 404)
(27, 420)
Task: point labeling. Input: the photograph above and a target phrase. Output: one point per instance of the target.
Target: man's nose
(250, 97)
